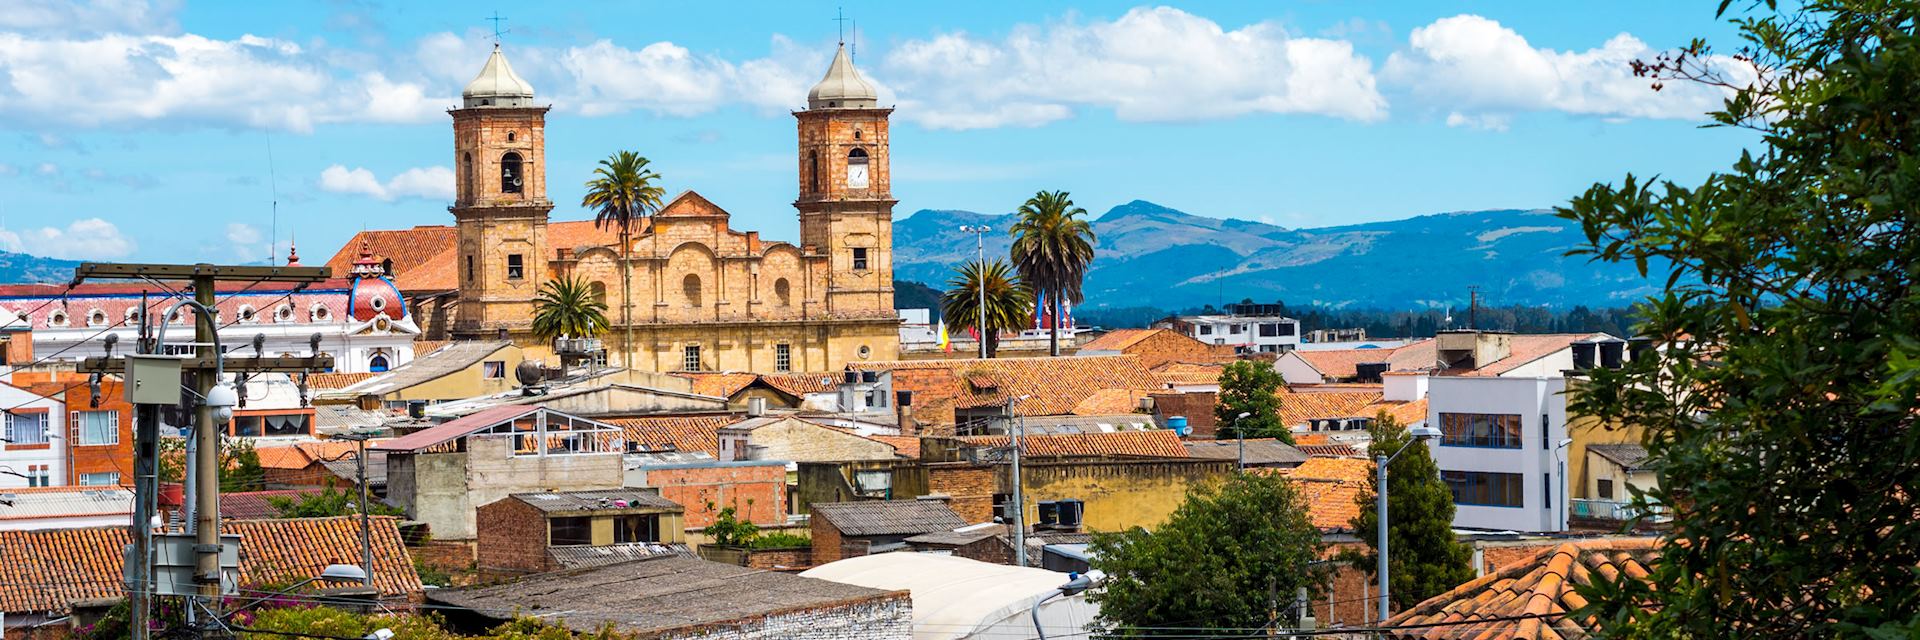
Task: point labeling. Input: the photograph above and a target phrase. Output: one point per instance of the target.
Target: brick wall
(885, 617)
(969, 487)
(116, 457)
(992, 549)
(758, 493)
(826, 541)
(512, 537)
(1348, 597)
(1196, 406)
(312, 475)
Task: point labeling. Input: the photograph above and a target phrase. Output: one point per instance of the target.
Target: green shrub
(780, 540)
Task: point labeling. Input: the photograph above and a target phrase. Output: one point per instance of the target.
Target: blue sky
(142, 130)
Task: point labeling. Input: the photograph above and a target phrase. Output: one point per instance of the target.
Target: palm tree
(1052, 248)
(1009, 301)
(566, 306)
(622, 192)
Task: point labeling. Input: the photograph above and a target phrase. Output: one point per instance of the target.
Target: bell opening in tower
(511, 176)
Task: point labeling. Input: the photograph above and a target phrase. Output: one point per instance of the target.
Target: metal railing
(1610, 510)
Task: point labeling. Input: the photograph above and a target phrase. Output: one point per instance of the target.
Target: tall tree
(622, 193)
(1424, 559)
(1229, 559)
(1249, 386)
(1009, 302)
(1781, 409)
(1052, 246)
(566, 306)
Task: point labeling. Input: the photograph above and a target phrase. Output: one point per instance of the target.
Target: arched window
(857, 169)
(377, 364)
(466, 176)
(813, 169)
(598, 290)
(509, 136)
(511, 176)
(856, 134)
(783, 292)
(691, 286)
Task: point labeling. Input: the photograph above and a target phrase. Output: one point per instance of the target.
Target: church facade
(704, 296)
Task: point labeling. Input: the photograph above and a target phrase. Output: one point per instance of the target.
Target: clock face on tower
(857, 169)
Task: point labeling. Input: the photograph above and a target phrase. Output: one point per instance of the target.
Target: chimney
(903, 413)
(1472, 349)
(756, 406)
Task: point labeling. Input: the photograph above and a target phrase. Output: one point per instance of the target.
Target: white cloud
(119, 79)
(1484, 73)
(86, 238)
(428, 183)
(249, 244)
(667, 78)
(1152, 64)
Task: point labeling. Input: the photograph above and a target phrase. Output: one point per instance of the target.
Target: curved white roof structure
(956, 598)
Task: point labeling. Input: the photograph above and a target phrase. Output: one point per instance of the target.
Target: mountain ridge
(1148, 254)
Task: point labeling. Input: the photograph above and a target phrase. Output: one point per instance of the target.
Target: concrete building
(1246, 327)
(442, 474)
(33, 446)
(551, 530)
(686, 292)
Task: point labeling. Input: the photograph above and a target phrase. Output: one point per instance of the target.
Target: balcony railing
(1610, 510)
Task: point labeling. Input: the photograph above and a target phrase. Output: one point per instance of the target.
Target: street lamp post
(1076, 584)
(1019, 500)
(1242, 436)
(1566, 497)
(980, 281)
(1380, 463)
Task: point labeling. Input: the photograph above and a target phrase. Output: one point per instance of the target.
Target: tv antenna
(497, 31)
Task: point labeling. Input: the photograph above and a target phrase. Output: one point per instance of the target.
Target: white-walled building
(33, 447)
(1248, 328)
(361, 318)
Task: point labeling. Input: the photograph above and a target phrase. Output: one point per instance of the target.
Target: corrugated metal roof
(889, 517)
(64, 502)
(456, 428)
(610, 499)
(586, 555)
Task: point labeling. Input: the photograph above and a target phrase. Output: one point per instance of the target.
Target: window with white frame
(782, 357)
(96, 427)
(27, 428)
(102, 479)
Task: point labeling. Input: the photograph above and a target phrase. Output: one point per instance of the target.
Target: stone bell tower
(846, 202)
(500, 204)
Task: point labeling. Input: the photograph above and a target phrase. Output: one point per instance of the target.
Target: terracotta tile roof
(1308, 439)
(257, 505)
(1056, 385)
(1331, 504)
(1526, 348)
(799, 384)
(681, 433)
(719, 385)
(1297, 408)
(1188, 373)
(45, 570)
(1159, 443)
(1333, 469)
(337, 380)
(1118, 339)
(1405, 413)
(1340, 364)
(1328, 450)
(288, 457)
(1543, 585)
(1106, 402)
(424, 347)
(422, 257)
(904, 446)
(575, 234)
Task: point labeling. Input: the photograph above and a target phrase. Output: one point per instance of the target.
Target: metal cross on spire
(497, 31)
(840, 16)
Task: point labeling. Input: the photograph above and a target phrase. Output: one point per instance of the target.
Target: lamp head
(1076, 584)
(1243, 415)
(1424, 432)
(343, 573)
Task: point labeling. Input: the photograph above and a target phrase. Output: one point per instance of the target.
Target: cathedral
(705, 297)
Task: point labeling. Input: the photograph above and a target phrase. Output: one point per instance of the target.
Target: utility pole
(366, 530)
(146, 480)
(1019, 501)
(205, 365)
(980, 281)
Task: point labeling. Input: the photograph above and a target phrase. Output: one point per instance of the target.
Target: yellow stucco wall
(1586, 430)
(1122, 494)
(468, 382)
